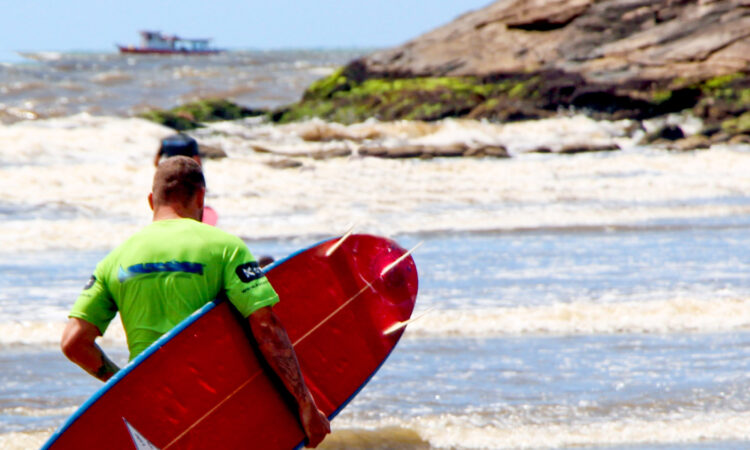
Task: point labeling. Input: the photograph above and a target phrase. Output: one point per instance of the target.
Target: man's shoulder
(211, 231)
(181, 235)
(189, 232)
(181, 225)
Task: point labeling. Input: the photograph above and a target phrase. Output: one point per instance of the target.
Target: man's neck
(168, 213)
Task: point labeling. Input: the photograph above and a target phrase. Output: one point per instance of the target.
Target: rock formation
(605, 42)
(528, 59)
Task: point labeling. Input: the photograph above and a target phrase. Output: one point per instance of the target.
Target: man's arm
(275, 345)
(78, 345)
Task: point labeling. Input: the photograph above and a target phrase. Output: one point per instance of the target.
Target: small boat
(154, 42)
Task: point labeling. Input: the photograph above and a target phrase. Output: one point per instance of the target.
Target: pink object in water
(209, 216)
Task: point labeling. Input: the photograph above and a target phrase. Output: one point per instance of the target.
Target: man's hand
(315, 424)
(78, 345)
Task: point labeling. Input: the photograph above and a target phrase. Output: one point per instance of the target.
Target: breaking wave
(680, 315)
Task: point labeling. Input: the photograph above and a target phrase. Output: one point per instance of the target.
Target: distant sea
(56, 84)
(596, 300)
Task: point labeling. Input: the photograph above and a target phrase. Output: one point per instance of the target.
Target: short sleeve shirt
(167, 271)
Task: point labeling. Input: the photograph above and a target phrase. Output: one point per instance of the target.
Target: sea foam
(101, 168)
(678, 315)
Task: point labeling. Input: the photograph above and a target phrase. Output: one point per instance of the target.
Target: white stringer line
(217, 406)
(343, 305)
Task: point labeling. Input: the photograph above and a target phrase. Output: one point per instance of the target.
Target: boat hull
(164, 51)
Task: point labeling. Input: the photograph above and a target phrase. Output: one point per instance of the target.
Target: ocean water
(55, 84)
(595, 301)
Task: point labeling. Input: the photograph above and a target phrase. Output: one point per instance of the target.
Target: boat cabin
(157, 41)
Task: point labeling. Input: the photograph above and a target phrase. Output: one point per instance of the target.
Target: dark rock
(695, 142)
(285, 163)
(670, 133)
(666, 133)
(372, 150)
(429, 151)
(587, 148)
(721, 137)
(334, 152)
(406, 151)
(191, 115)
(739, 139)
(172, 120)
(212, 110)
(325, 153)
(211, 152)
(581, 147)
(261, 149)
(711, 131)
(495, 151)
(445, 151)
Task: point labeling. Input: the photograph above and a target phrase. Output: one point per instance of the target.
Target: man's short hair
(177, 179)
(178, 144)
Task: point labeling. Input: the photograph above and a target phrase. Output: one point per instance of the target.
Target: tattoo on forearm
(107, 369)
(280, 353)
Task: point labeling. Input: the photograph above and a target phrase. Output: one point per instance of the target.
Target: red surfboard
(344, 303)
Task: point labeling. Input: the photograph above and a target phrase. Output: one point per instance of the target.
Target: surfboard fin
(390, 266)
(399, 325)
(338, 243)
(140, 442)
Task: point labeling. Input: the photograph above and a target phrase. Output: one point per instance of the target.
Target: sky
(97, 25)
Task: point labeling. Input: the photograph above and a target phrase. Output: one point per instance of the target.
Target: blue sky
(65, 25)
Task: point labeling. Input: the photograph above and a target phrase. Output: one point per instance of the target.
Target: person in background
(178, 144)
(181, 144)
(168, 270)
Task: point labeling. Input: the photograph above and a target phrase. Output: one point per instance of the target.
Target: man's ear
(151, 200)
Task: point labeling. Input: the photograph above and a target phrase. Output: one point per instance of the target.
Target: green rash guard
(164, 273)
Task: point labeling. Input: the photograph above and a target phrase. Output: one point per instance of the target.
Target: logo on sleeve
(249, 272)
(90, 283)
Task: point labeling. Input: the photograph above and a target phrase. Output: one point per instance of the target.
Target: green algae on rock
(190, 115)
(344, 99)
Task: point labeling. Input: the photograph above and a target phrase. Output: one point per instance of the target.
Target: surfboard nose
(394, 269)
(387, 281)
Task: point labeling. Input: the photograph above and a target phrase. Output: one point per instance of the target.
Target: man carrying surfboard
(168, 270)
